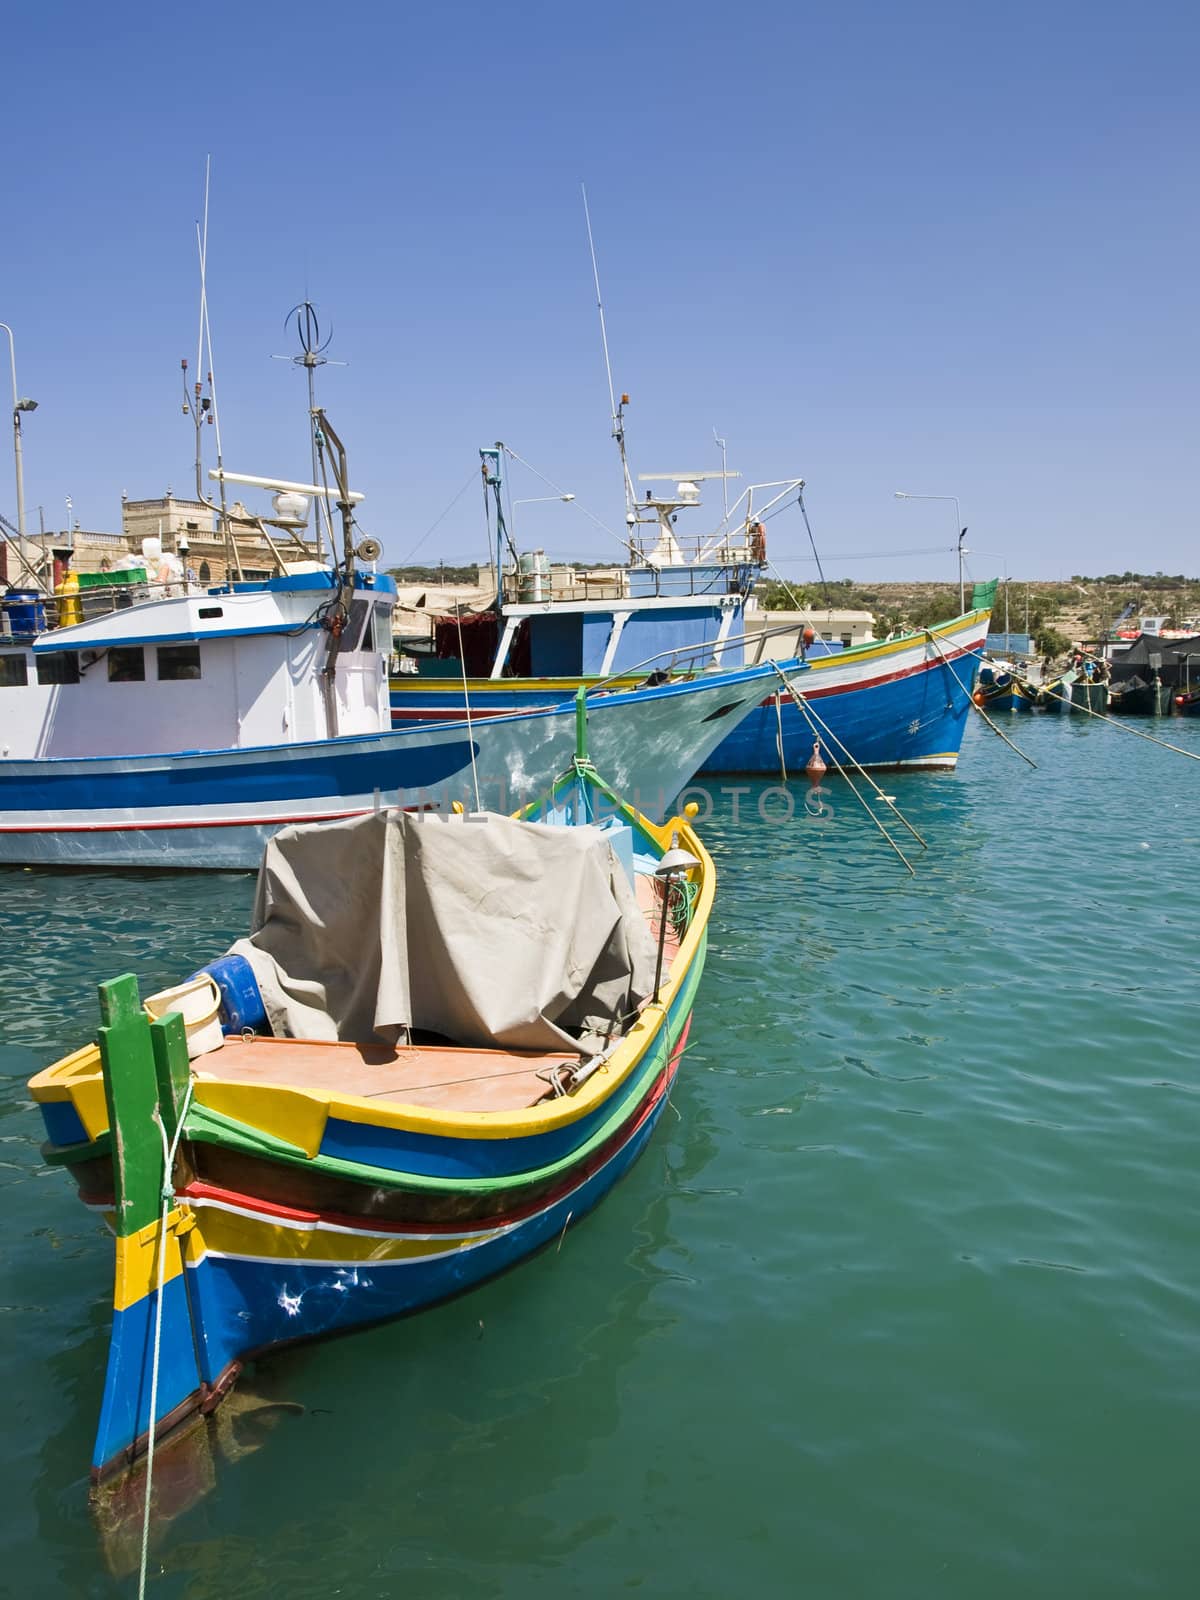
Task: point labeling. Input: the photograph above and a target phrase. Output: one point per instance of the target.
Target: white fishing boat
(183, 732)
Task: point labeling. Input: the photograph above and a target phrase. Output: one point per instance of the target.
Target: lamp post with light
(534, 500)
(19, 405)
(958, 528)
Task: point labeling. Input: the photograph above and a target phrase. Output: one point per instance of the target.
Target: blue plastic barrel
(26, 612)
(241, 1000)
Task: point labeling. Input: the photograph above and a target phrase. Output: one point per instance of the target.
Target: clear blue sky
(935, 247)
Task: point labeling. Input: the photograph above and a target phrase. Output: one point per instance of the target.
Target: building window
(61, 667)
(205, 572)
(845, 641)
(127, 664)
(14, 672)
(178, 661)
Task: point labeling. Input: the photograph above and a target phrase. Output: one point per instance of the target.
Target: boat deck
(444, 1077)
(441, 1076)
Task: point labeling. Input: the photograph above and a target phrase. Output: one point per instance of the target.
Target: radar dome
(290, 507)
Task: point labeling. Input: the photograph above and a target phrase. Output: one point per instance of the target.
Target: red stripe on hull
(201, 1190)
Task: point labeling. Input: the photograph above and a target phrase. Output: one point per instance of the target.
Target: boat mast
(312, 355)
(201, 407)
(617, 411)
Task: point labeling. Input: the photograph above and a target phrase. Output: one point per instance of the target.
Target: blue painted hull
(217, 808)
(915, 722)
(889, 704)
(247, 1306)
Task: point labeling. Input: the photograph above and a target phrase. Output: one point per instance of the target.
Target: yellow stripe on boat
(138, 1264)
(298, 1116)
(225, 1231)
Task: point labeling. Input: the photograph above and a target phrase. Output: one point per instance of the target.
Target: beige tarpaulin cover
(485, 930)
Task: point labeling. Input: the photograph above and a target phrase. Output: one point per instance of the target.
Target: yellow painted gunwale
(299, 1115)
(875, 649)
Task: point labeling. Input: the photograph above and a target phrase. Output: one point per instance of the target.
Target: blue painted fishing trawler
(680, 608)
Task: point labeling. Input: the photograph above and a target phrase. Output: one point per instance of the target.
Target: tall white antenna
(617, 413)
(232, 554)
(202, 243)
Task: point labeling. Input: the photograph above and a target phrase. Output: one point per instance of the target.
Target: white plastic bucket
(199, 1002)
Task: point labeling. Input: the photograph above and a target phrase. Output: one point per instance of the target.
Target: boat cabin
(229, 667)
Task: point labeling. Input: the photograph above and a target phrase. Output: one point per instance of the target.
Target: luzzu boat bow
(314, 1185)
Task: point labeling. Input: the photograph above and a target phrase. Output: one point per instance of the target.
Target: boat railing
(732, 549)
(24, 616)
(676, 661)
(681, 660)
(692, 574)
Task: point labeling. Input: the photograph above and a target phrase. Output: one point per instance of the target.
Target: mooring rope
(999, 732)
(462, 661)
(1123, 727)
(168, 1200)
(799, 698)
(832, 739)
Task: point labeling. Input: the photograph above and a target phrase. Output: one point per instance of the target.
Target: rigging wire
(813, 543)
(929, 634)
(869, 555)
(558, 489)
(436, 524)
(832, 739)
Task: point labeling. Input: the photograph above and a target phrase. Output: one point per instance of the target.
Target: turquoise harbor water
(902, 1299)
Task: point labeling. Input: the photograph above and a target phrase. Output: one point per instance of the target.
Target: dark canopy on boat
(1169, 657)
(483, 931)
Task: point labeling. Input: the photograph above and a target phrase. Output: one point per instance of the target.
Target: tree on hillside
(1049, 642)
(784, 597)
(939, 606)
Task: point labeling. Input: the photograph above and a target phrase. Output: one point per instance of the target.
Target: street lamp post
(534, 500)
(959, 530)
(18, 407)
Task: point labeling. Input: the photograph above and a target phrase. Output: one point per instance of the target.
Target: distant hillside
(1083, 608)
(440, 574)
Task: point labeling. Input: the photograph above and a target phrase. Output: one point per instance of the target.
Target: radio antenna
(312, 355)
(617, 412)
(200, 407)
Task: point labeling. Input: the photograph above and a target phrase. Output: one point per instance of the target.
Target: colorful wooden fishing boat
(1000, 689)
(277, 1189)
(677, 607)
(1088, 694)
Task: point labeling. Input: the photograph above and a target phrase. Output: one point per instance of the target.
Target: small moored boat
(999, 688)
(442, 1042)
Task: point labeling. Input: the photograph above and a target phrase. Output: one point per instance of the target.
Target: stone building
(189, 528)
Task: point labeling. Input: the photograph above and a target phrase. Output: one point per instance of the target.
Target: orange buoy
(815, 768)
(807, 637)
(979, 697)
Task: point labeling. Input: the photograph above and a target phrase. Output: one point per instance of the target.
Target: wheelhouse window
(127, 664)
(383, 629)
(353, 631)
(14, 671)
(178, 661)
(61, 667)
